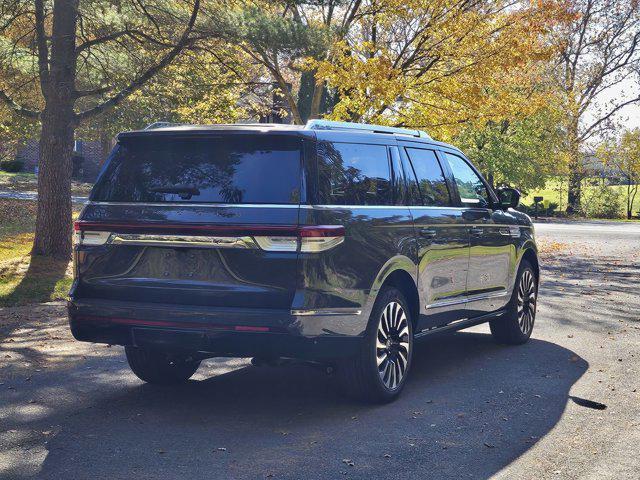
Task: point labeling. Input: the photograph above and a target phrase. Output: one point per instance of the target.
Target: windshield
(225, 169)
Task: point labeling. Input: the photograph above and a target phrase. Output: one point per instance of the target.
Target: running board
(459, 324)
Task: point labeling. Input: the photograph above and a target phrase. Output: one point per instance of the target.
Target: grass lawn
(27, 182)
(556, 192)
(25, 279)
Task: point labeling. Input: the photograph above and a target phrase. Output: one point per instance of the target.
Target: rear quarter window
(354, 174)
(234, 170)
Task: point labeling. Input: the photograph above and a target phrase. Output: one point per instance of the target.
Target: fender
(527, 247)
(396, 263)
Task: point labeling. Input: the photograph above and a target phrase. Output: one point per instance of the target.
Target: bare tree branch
(25, 112)
(93, 91)
(589, 130)
(97, 41)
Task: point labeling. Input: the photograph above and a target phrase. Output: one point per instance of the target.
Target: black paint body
(456, 264)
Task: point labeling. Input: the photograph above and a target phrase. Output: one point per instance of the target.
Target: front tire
(379, 371)
(159, 368)
(516, 325)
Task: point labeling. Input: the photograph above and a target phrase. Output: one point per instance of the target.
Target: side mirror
(508, 197)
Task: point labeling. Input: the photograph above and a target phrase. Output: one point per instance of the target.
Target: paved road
(588, 230)
(472, 409)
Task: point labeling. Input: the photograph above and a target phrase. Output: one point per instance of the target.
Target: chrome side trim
(208, 205)
(372, 207)
(459, 324)
(473, 298)
(326, 311)
(181, 241)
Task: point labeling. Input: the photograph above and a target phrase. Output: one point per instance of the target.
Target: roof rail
(154, 125)
(331, 125)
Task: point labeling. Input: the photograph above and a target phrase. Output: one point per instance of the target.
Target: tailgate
(194, 221)
(225, 261)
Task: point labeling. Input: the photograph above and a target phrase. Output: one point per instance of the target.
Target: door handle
(476, 231)
(428, 232)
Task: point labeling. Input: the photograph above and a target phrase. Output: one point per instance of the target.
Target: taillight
(89, 237)
(278, 238)
(320, 238)
(312, 239)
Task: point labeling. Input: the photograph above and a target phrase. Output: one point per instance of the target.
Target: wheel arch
(531, 256)
(401, 280)
(400, 273)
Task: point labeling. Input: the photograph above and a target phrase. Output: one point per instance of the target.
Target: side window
(431, 183)
(473, 192)
(399, 180)
(354, 174)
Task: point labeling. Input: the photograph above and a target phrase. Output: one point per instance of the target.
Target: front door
(491, 240)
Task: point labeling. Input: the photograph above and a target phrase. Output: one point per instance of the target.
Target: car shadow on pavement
(470, 408)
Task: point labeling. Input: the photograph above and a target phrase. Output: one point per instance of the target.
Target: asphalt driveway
(472, 409)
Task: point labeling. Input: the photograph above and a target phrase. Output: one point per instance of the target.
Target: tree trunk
(316, 100)
(576, 174)
(574, 192)
(632, 190)
(53, 223)
(305, 94)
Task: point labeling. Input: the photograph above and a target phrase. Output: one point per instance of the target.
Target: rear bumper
(216, 331)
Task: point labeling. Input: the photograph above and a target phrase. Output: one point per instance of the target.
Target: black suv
(335, 243)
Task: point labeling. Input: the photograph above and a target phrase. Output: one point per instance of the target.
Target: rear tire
(379, 370)
(156, 367)
(514, 327)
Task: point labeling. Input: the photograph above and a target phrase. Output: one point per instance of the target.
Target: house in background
(87, 158)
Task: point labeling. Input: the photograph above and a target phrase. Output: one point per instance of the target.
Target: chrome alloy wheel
(526, 302)
(392, 346)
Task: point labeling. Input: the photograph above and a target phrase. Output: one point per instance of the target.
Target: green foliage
(603, 202)
(520, 153)
(267, 31)
(623, 157)
(11, 166)
(196, 88)
(545, 209)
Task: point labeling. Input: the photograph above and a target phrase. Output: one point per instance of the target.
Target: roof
(321, 128)
(198, 130)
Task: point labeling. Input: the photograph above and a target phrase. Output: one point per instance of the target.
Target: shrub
(604, 202)
(551, 207)
(11, 166)
(545, 209)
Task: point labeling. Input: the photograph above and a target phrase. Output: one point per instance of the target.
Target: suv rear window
(239, 169)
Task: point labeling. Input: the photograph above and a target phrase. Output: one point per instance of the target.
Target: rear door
(442, 238)
(202, 220)
(358, 187)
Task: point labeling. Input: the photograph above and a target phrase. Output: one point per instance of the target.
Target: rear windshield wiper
(185, 191)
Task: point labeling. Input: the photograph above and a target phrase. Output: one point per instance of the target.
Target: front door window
(473, 192)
